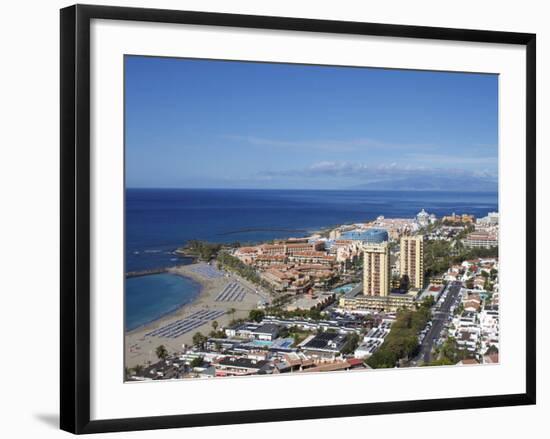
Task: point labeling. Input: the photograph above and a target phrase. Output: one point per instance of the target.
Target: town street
(440, 317)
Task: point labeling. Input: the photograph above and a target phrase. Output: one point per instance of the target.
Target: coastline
(140, 345)
(187, 272)
(176, 271)
(173, 310)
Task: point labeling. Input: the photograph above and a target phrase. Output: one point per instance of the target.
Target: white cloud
(347, 145)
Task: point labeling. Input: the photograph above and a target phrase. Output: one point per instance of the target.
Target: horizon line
(309, 189)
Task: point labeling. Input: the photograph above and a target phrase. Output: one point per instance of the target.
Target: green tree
(256, 315)
(437, 257)
(315, 314)
(202, 249)
(402, 341)
(161, 352)
(284, 332)
(231, 263)
(351, 343)
(428, 302)
(197, 362)
(450, 353)
(199, 339)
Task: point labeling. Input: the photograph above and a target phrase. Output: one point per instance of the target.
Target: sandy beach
(140, 347)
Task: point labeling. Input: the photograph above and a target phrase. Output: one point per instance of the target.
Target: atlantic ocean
(157, 221)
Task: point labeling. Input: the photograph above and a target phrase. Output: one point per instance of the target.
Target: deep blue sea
(160, 220)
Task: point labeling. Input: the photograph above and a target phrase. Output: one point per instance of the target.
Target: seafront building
(396, 227)
(458, 219)
(423, 218)
(368, 236)
(297, 265)
(411, 260)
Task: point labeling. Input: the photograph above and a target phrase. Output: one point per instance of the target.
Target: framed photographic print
(272, 218)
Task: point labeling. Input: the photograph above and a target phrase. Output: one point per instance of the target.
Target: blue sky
(200, 123)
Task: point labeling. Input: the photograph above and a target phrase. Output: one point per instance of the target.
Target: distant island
(452, 183)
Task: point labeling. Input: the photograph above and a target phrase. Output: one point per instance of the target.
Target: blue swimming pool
(345, 288)
(261, 343)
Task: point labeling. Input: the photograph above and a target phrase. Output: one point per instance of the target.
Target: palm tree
(199, 339)
(232, 312)
(215, 325)
(161, 352)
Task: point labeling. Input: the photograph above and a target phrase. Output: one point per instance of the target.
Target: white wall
(29, 214)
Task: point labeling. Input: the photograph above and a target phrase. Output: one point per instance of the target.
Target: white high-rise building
(376, 270)
(411, 260)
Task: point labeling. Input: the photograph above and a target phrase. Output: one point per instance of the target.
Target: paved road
(440, 317)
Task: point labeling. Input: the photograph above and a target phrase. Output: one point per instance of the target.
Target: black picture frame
(75, 217)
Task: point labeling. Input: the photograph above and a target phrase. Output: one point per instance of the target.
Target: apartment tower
(411, 260)
(376, 270)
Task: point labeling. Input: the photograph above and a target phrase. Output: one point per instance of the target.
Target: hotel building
(390, 303)
(411, 260)
(459, 219)
(376, 270)
(481, 240)
(368, 236)
(376, 293)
